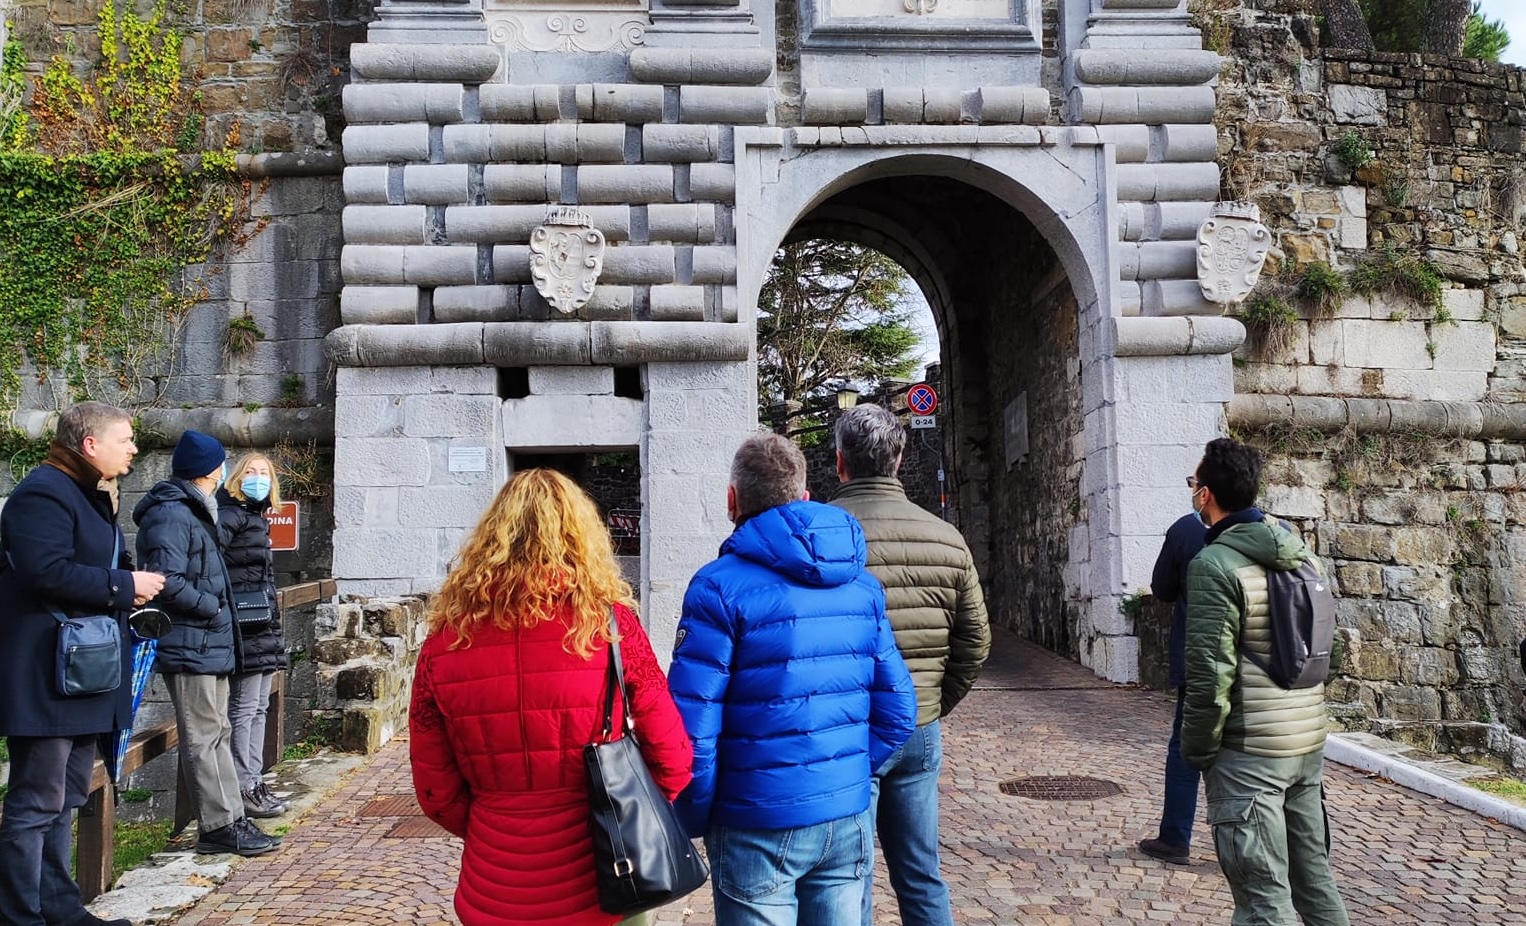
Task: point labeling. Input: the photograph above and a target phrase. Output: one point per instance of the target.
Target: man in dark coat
(177, 535)
(1168, 582)
(64, 552)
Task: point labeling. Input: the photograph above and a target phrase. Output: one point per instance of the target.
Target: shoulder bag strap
(116, 553)
(615, 679)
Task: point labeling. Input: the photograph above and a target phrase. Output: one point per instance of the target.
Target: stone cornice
(513, 344)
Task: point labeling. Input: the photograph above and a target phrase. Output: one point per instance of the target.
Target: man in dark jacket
(177, 534)
(1261, 747)
(935, 606)
(789, 682)
(1173, 843)
(62, 551)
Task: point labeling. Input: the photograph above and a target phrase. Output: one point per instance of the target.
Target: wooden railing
(96, 834)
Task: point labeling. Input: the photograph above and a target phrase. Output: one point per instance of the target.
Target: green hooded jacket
(1230, 700)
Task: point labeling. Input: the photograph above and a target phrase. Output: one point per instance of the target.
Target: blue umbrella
(148, 625)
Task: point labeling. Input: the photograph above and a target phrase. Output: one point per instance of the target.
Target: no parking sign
(921, 399)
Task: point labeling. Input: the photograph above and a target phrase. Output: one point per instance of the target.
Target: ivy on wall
(108, 204)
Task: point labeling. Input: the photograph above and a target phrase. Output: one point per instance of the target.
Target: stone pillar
(697, 416)
(418, 455)
(1136, 69)
(1153, 394)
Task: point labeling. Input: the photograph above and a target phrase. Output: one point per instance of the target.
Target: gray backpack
(1301, 612)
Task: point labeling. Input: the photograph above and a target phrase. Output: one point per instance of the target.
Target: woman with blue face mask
(249, 488)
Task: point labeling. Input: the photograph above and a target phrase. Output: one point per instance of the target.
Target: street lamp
(847, 397)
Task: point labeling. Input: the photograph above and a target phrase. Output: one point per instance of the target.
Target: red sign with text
(283, 526)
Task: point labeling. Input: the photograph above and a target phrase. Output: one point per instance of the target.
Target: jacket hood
(1268, 542)
(168, 492)
(812, 543)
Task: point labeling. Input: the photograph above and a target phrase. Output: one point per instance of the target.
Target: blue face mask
(256, 487)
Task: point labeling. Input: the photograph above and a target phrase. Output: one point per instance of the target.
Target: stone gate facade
(1040, 168)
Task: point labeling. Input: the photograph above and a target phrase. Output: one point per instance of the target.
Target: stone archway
(1008, 319)
(695, 162)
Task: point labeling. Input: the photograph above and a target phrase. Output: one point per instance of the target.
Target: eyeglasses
(1192, 483)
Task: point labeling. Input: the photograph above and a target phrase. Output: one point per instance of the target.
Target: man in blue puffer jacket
(793, 691)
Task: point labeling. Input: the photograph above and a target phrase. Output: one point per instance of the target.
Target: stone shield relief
(1231, 248)
(566, 258)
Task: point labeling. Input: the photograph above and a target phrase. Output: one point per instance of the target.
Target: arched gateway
(1040, 169)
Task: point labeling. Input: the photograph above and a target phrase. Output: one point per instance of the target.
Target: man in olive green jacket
(1261, 746)
(933, 598)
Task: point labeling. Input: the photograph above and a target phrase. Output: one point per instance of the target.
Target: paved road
(1402, 858)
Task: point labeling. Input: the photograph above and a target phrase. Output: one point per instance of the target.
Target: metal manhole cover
(1060, 788)
(396, 805)
(417, 828)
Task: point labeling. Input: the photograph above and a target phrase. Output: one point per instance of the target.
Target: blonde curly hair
(541, 552)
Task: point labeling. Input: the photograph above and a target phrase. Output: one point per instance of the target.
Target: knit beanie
(196, 455)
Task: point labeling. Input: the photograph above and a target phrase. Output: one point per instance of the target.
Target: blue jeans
(1181, 786)
(811, 875)
(50, 777)
(904, 807)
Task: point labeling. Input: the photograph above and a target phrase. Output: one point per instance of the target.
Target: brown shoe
(1176, 855)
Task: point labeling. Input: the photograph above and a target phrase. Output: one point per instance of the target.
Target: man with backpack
(1259, 742)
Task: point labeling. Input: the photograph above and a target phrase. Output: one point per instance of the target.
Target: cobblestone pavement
(1402, 858)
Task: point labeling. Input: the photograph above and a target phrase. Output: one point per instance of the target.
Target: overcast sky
(1513, 14)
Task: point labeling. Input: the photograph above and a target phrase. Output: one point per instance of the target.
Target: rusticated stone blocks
(365, 657)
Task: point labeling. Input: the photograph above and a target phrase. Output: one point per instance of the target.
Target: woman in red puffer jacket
(508, 690)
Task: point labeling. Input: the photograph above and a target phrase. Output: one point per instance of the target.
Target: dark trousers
(50, 778)
(1181, 786)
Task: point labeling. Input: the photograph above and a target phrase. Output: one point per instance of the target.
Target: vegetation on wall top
(108, 204)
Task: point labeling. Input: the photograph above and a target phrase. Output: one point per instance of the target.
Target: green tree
(831, 314)
(1486, 39)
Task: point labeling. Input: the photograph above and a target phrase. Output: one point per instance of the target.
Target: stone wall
(1387, 416)
(363, 655)
(270, 73)
(271, 68)
(1033, 407)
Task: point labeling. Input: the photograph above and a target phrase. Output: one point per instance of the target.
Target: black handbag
(643, 859)
(251, 610)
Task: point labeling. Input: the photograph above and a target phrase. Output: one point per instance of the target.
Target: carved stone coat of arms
(1231, 247)
(566, 258)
